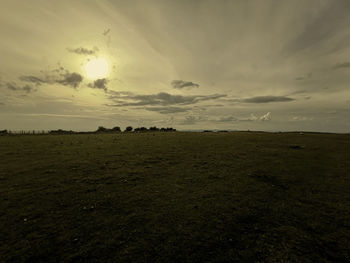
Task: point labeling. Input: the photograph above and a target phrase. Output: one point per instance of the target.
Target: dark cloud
(167, 110)
(267, 99)
(32, 79)
(162, 98)
(70, 79)
(342, 65)
(2, 104)
(180, 84)
(83, 51)
(99, 84)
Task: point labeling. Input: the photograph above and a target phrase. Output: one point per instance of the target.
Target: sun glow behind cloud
(97, 68)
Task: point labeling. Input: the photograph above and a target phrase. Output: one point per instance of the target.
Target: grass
(175, 197)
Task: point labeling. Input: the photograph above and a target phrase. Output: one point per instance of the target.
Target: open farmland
(175, 197)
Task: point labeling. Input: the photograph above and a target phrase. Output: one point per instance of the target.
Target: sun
(97, 68)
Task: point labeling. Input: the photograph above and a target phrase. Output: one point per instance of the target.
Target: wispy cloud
(341, 65)
(167, 110)
(190, 120)
(180, 84)
(83, 51)
(267, 99)
(60, 75)
(15, 87)
(32, 79)
(162, 98)
(106, 32)
(252, 117)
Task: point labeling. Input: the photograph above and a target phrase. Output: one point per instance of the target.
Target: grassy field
(175, 197)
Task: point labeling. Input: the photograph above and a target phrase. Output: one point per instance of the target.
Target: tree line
(100, 129)
(138, 129)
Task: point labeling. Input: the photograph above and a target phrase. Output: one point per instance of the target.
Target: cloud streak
(60, 76)
(252, 117)
(341, 65)
(167, 110)
(181, 84)
(162, 98)
(267, 99)
(83, 51)
(15, 87)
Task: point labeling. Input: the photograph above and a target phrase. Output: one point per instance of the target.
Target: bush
(116, 129)
(102, 129)
(128, 129)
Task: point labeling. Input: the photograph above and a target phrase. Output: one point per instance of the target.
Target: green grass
(175, 197)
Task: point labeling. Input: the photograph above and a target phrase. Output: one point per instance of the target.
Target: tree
(140, 129)
(101, 129)
(128, 129)
(153, 128)
(116, 129)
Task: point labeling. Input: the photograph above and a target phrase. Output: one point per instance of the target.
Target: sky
(272, 65)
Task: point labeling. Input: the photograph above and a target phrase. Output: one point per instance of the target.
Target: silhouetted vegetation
(116, 129)
(154, 129)
(100, 129)
(3, 132)
(140, 129)
(60, 131)
(128, 129)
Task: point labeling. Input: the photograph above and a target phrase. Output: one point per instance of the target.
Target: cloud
(301, 118)
(27, 88)
(99, 84)
(13, 86)
(252, 117)
(180, 84)
(267, 99)
(59, 75)
(190, 120)
(105, 33)
(341, 65)
(162, 98)
(227, 119)
(266, 117)
(71, 79)
(167, 110)
(83, 51)
(32, 79)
